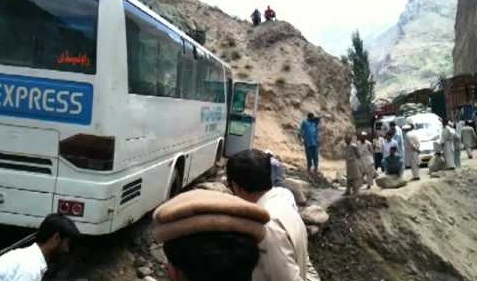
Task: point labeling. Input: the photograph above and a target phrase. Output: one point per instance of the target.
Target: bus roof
(153, 14)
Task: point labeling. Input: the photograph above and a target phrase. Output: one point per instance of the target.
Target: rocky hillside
(415, 51)
(465, 50)
(297, 77)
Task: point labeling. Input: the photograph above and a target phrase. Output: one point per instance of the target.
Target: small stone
(143, 272)
(139, 262)
(158, 254)
(299, 188)
(314, 215)
(312, 230)
(149, 278)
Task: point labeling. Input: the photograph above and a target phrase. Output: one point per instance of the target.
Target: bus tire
(176, 184)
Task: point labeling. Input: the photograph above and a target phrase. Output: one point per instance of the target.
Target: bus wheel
(176, 184)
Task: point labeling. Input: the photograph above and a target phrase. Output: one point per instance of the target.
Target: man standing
(388, 143)
(285, 248)
(413, 145)
(309, 135)
(30, 263)
(354, 176)
(399, 138)
(469, 138)
(210, 236)
(256, 17)
(447, 141)
(366, 152)
(378, 142)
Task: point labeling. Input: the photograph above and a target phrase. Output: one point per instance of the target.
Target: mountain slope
(465, 51)
(296, 76)
(414, 52)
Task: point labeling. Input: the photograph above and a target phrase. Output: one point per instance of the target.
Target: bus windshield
(46, 34)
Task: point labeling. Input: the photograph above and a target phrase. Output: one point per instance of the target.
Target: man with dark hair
(393, 163)
(310, 137)
(29, 264)
(285, 248)
(210, 236)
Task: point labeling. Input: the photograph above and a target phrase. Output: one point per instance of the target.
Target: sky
(327, 23)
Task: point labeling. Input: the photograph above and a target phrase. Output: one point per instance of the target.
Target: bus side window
(152, 55)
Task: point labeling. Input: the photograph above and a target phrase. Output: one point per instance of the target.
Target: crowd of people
(269, 15)
(400, 148)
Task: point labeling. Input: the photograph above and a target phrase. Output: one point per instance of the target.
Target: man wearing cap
(284, 251)
(210, 236)
(366, 152)
(412, 145)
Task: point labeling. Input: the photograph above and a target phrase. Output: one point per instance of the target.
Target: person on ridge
(412, 146)
(269, 14)
(256, 17)
(393, 164)
(354, 175)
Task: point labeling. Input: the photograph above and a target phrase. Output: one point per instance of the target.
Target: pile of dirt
(429, 235)
(297, 77)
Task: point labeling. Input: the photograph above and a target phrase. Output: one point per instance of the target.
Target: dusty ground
(424, 231)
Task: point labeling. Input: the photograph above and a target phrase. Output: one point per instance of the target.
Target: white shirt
(25, 264)
(387, 147)
(284, 251)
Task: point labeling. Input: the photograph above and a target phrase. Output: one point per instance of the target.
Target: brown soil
(431, 235)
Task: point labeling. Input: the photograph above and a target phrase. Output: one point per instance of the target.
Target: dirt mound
(432, 235)
(297, 77)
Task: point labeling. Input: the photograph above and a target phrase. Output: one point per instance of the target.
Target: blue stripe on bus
(46, 99)
(152, 21)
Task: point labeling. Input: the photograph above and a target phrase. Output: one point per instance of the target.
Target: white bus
(107, 110)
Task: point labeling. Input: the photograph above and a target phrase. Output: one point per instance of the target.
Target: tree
(361, 73)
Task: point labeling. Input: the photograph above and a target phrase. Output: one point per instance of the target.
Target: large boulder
(314, 215)
(299, 188)
(386, 182)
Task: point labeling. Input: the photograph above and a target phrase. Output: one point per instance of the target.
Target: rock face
(465, 50)
(297, 77)
(415, 51)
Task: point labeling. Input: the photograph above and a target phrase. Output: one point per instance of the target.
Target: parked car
(428, 128)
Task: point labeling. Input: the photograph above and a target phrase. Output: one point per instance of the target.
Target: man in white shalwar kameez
(447, 141)
(365, 148)
(284, 251)
(412, 147)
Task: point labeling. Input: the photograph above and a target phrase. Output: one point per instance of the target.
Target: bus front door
(242, 117)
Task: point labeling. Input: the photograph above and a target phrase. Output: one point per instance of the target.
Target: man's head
(248, 173)
(210, 236)
(212, 256)
(392, 124)
(393, 151)
(310, 116)
(54, 235)
(348, 139)
(389, 135)
(362, 136)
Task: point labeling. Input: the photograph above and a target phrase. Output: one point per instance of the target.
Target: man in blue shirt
(309, 135)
